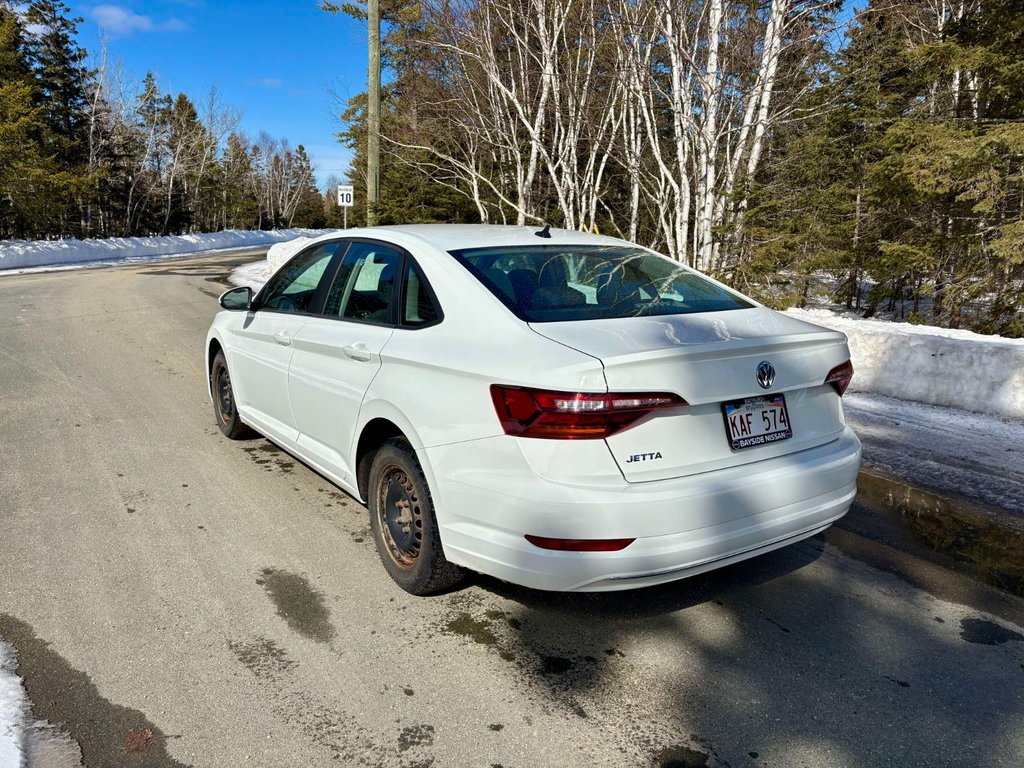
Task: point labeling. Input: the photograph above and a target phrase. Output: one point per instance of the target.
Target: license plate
(756, 421)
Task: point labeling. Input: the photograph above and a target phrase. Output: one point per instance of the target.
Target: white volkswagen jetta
(557, 409)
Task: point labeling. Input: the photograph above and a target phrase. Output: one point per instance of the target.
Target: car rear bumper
(488, 497)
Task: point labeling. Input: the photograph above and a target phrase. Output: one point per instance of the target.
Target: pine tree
(62, 77)
(406, 194)
(27, 177)
(309, 210)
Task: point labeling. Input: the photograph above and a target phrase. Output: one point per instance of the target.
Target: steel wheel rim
(400, 517)
(225, 400)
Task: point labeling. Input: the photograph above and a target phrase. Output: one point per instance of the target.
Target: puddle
(301, 605)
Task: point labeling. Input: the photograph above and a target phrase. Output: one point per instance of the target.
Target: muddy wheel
(403, 523)
(224, 401)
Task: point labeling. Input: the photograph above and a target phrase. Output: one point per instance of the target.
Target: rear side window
(548, 283)
(418, 307)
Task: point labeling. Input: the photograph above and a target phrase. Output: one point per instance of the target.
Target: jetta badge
(765, 374)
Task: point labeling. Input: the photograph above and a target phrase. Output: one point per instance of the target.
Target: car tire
(224, 408)
(403, 522)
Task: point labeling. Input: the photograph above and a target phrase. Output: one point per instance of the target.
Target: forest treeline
(871, 151)
(86, 152)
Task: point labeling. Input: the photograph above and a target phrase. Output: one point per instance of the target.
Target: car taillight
(540, 413)
(579, 545)
(840, 376)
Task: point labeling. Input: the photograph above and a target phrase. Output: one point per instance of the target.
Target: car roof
(453, 237)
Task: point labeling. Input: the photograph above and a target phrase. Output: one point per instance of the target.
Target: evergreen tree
(62, 77)
(407, 196)
(28, 179)
(309, 210)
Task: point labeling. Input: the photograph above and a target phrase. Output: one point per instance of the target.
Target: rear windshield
(548, 283)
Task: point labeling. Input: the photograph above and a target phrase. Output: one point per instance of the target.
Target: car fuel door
(338, 354)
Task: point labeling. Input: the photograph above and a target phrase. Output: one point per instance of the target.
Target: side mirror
(237, 298)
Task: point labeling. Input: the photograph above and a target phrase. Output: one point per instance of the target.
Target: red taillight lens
(840, 376)
(540, 413)
(579, 545)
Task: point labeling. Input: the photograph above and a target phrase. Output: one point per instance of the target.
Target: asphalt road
(157, 578)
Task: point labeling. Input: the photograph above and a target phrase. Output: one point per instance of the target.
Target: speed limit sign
(346, 196)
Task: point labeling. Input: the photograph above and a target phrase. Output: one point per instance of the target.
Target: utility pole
(373, 113)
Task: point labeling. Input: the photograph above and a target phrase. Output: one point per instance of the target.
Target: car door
(262, 348)
(337, 354)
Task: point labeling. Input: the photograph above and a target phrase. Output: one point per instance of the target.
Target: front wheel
(403, 523)
(224, 407)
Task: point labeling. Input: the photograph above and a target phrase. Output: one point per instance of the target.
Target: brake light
(840, 376)
(540, 413)
(579, 545)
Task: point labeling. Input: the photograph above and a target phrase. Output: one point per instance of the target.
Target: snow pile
(254, 275)
(279, 253)
(257, 273)
(24, 254)
(941, 366)
(13, 711)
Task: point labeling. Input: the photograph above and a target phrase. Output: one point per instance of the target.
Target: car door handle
(357, 352)
(282, 337)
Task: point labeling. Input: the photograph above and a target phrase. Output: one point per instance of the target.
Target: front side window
(365, 285)
(549, 283)
(293, 287)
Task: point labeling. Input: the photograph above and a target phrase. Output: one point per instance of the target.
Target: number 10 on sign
(346, 199)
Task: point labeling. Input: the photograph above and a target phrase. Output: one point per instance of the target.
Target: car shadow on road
(781, 658)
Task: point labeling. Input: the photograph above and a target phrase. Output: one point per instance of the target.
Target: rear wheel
(403, 523)
(224, 401)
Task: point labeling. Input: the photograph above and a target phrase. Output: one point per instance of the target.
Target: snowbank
(941, 366)
(24, 254)
(279, 253)
(257, 273)
(254, 274)
(13, 711)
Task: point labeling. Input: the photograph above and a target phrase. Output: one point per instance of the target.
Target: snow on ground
(972, 454)
(13, 711)
(941, 366)
(29, 254)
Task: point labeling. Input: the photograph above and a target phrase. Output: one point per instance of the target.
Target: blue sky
(274, 60)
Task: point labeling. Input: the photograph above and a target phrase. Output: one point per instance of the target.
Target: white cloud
(117, 20)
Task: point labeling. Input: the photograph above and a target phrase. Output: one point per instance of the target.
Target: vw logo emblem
(765, 374)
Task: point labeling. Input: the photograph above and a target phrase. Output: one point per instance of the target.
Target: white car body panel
(708, 359)
(332, 366)
(260, 359)
(492, 494)
(699, 506)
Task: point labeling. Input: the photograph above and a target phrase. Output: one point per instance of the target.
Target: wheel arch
(213, 346)
(381, 422)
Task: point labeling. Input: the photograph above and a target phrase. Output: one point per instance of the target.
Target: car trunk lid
(709, 359)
